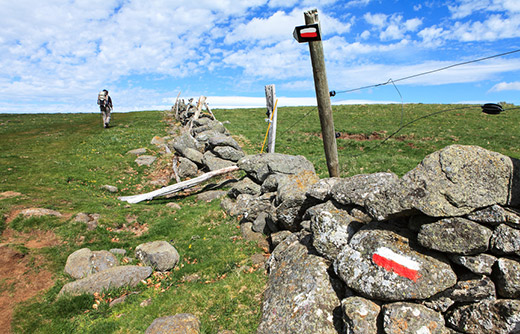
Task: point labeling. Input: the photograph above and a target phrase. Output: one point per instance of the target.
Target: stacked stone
(185, 111)
(437, 251)
(206, 147)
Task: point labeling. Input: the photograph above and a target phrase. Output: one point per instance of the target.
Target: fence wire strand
(391, 81)
(334, 93)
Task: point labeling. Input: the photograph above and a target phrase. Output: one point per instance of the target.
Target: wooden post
(270, 97)
(323, 98)
(202, 100)
(177, 105)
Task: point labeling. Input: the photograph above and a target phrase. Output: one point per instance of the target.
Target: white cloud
(61, 48)
(365, 35)
(494, 28)
(338, 50)
(283, 60)
(304, 3)
(392, 27)
(506, 86)
(357, 3)
(372, 74)
(377, 20)
(60, 53)
(509, 5)
(279, 27)
(466, 8)
(269, 30)
(432, 36)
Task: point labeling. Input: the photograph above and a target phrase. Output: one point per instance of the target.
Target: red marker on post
(307, 33)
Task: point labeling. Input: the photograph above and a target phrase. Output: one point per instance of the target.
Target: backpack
(102, 99)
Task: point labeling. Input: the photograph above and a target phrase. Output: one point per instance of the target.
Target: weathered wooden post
(311, 33)
(270, 97)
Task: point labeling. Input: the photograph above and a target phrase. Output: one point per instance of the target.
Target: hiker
(105, 105)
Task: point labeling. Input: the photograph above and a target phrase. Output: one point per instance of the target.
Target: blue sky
(56, 55)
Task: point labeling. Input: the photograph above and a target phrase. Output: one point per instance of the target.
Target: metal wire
(334, 93)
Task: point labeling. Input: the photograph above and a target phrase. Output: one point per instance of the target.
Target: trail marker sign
(307, 33)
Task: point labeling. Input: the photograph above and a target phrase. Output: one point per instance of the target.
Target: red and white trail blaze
(309, 32)
(399, 264)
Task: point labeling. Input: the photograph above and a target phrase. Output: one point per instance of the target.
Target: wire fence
(392, 81)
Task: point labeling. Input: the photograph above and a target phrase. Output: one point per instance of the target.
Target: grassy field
(60, 161)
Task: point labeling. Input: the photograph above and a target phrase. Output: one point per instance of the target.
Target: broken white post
(209, 110)
(270, 97)
(177, 104)
(202, 100)
(177, 187)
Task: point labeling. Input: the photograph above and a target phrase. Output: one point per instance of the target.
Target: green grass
(60, 161)
(299, 128)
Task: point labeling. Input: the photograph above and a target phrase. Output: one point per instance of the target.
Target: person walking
(105, 105)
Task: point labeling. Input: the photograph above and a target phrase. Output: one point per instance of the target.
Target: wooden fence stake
(323, 98)
(270, 97)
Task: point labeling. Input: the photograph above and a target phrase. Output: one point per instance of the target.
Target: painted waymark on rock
(399, 264)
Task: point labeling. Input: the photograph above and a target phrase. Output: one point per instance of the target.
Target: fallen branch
(177, 187)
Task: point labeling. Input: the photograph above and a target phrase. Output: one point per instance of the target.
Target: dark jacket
(108, 103)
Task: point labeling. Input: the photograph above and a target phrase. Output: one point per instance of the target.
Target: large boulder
(452, 182)
(84, 262)
(488, 316)
(221, 139)
(245, 186)
(209, 126)
(455, 235)
(112, 278)
(158, 254)
(505, 240)
(356, 189)
(381, 262)
(481, 264)
(403, 317)
(291, 199)
(300, 297)
(508, 277)
(214, 163)
(193, 155)
(187, 168)
(332, 228)
(322, 190)
(228, 153)
(249, 207)
(495, 215)
(260, 166)
(183, 142)
(465, 291)
(360, 315)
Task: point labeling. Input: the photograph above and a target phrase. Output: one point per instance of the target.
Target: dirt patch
(366, 137)
(360, 136)
(21, 277)
(9, 194)
(20, 280)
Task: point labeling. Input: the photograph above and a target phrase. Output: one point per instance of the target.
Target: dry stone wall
(436, 251)
(204, 144)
